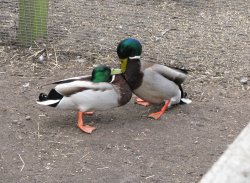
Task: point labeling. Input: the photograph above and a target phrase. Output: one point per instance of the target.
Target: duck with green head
(102, 90)
(153, 83)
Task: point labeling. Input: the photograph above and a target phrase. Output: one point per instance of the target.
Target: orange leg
(157, 115)
(84, 128)
(141, 102)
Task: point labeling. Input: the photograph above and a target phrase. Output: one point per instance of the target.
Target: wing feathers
(172, 74)
(68, 89)
(79, 78)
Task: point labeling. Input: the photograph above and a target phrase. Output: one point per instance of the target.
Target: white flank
(47, 102)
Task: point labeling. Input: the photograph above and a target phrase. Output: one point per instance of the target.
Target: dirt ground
(41, 144)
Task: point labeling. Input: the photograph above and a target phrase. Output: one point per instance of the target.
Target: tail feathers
(185, 71)
(184, 99)
(52, 99)
(43, 97)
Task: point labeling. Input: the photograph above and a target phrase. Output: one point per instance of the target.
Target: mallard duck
(100, 91)
(152, 83)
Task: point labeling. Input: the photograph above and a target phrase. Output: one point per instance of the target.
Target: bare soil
(210, 38)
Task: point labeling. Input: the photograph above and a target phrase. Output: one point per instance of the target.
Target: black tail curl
(183, 94)
(53, 95)
(43, 97)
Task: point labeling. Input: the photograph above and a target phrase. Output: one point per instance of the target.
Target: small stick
(38, 130)
(13, 56)
(22, 162)
(149, 176)
(47, 53)
(37, 44)
(37, 53)
(55, 55)
(102, 168)
(84, 155)
(56, 142)
(67, 154)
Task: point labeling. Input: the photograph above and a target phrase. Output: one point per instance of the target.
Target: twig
(38, 130)
(149, 176)
(84, 155)
(56, 142)
(102, 168)
(13, 56)
(37, 44)
(55, 55)
(22, 162)
(41, 115)
(38, 53)
(47, 53)
(67, 154)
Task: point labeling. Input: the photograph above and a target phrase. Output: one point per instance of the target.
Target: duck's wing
(69, 80)
(185, 71)
(176, 75)
(70, 88)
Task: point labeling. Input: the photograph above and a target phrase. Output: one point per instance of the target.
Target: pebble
(127, 162)
(20, 137)
(26, 85)
(14, 121)
(27, 118)
(199, 125)
(41, 59)
(244, 80)
(109, 146)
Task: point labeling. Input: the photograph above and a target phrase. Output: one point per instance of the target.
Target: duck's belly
(157, 89)
(90, 100)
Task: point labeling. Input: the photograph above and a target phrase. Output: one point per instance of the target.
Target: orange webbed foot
(87, 128)
(141, 102)
(157, 115)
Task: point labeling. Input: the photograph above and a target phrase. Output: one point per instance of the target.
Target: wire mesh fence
(25, 22)
(69, 28)
(32, 21)
(45, 21)
(8, 20)
(77, 24)
(91, 28)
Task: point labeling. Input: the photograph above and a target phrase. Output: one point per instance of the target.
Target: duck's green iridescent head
(101, 73)
(128, 48)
